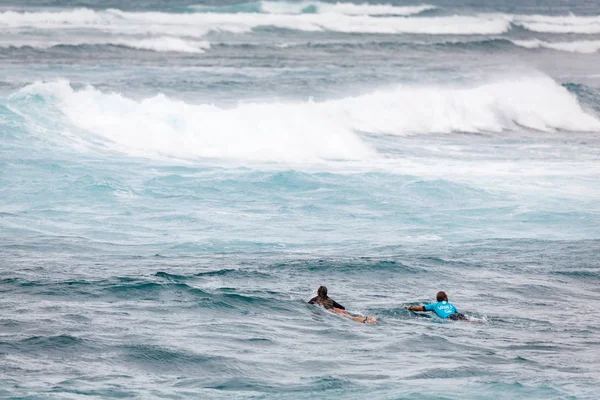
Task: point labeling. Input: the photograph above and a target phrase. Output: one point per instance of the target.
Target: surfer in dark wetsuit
(325, 301)
(329, 304)
(443, 308)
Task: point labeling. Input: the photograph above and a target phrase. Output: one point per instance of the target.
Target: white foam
(582, 46)
(198, 24)
(315, 7)
(164, 44)
(533, 102)
(338, 17)
(272, 7)
(310, 131)
(158, 44)
(558, 24)
(160, 126)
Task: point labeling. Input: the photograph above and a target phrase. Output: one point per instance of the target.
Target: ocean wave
(237, 273)
(158, 44)
(338, 17)
(557, 24)
(47, 345)
(155, 355)
(198, 25)
(160, 285)
(150, 289)
(583, 46)
(586, 94)
(316, 7)
(177, 45)
(167, 127)
(305, 131)
(163, 44)
(591, 274)
(576, 46)
(364, 264)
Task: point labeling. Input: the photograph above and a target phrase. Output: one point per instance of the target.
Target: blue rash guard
(443, 309)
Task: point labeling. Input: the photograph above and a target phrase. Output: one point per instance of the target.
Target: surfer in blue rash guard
(331, 305)
(443, 308)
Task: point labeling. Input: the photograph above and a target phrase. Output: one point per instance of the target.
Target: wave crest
(308, 131)
(198, 25)
(166, 127)
(303, 16)
(558, 24)
(316, 7)
(157, 44)
(582, 46)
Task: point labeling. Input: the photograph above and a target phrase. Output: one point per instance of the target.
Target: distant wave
(198, 24)
(171, 44)
(577, 46)
(159, 44)
(583, 46)
(164, 44)
(557, 24)
(316, 7)
(310, 130)
(339, 17)
(490, 43)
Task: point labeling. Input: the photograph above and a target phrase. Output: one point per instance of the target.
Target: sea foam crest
(160, 126)
(533, 102)
(338, 17)
(315, 7)
(273, 7)
(158, 44)
(304, 131)
(163, 44)
(580, 46)
(558, 24)
(198, 24)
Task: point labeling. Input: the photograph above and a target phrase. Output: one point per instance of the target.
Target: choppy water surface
(177, 180)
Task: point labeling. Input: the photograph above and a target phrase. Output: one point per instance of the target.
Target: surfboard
(344, 313)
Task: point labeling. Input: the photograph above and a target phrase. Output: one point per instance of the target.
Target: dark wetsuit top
(326, 302)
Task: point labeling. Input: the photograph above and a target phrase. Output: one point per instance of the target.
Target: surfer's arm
(338, 305)
(312, 301)
(415, 308)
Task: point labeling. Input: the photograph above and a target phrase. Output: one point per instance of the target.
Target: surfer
(331, 305)
(443, 308)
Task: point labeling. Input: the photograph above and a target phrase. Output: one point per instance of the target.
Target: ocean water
(178, 177)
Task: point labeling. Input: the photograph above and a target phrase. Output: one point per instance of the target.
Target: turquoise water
(177, 180)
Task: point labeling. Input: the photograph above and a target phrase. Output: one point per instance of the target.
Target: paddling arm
(415, 308)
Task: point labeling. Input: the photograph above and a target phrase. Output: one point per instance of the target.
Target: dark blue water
(178, 178)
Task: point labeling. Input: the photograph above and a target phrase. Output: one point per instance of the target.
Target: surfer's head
(322, 292)
(441, 296)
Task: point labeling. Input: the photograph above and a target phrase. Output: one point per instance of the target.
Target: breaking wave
(158, 44)
(316, 7)
(583, 46)
(304, 131)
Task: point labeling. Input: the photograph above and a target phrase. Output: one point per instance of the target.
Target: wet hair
(441, 296)
(322, 292)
